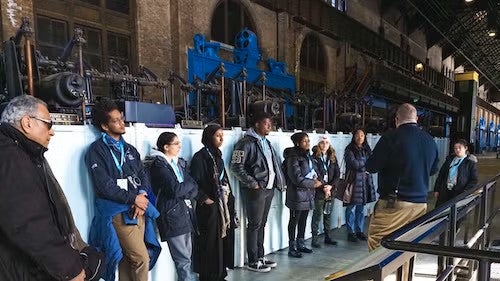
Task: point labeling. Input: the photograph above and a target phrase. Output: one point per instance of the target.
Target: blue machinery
(242, 82)
(488, 136)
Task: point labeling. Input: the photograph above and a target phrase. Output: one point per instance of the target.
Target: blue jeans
(180, 249)
(355, 220)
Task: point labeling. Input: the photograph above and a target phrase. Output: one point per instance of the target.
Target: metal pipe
(29, 64)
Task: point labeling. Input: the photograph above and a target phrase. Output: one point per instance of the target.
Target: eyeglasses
(47, 122)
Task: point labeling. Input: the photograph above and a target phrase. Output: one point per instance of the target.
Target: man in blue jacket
(118, 176)
(404, 159)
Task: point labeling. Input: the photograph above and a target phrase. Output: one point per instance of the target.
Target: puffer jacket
(363, 189)
(249, 165)
(300, 192)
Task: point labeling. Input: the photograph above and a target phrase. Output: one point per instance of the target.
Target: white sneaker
(258, 266)
(269, 263)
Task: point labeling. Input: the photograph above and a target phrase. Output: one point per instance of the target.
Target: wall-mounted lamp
(419, 67)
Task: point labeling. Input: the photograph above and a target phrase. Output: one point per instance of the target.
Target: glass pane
(218, 33)
(118, 48)
(52, 36)
(121, 6)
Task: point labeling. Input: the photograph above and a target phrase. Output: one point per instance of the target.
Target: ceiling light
(468, 1)
(492, 33)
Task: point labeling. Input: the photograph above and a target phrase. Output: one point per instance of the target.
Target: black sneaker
(304, 250)
(315, 244)
(269, 263)
(329, 241)
(351, 237)
(361, 236)
(258, 266)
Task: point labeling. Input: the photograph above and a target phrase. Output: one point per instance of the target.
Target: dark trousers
(258, 202)
(297, 218)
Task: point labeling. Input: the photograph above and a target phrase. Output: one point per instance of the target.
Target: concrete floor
(330, 259)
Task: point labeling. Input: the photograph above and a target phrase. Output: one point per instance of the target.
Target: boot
(329, 241)
(315, 243)
(301, 246)
(351, 237)
(292, 250)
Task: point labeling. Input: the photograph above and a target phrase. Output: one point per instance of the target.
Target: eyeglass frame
(47, 122)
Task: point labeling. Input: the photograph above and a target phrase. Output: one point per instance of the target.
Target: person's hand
(208, 201)
(436, 194)
(79, 277)
(327, 187)
(317, 183)
(138, 212)
(141, 201)
(256, 186)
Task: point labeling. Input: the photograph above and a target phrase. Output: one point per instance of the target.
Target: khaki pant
(386, 220)
(134, 265)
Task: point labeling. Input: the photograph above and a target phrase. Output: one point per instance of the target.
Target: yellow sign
(467, 76)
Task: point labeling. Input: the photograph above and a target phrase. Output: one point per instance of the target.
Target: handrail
(485, 258)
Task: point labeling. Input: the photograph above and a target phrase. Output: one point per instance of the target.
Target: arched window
(228, 19)
(107, 26)
(312, 64)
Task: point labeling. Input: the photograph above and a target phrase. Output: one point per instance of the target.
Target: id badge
(325, 178)
(188, 203)
(122, 183)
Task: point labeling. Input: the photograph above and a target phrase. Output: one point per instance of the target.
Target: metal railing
(479, 199)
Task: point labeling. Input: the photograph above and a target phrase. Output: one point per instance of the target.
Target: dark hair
(462, 142)
(259, 116)
(100, 112)
(298, 137)
(208, 133)
(352, 144)
(163, 139)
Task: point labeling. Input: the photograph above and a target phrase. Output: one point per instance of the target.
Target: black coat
(333, 170)
(212, 253)
(363, 189)
(32, 235)
(300, 192)
(175, 216)
(467, 177)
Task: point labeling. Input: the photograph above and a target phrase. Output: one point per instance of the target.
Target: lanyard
(310, 163)
(325, 164)
(177, 171)
(221, 176)
(119, 165)
(454, 167)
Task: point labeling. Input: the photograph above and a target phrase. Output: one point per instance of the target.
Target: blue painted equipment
(244, 82)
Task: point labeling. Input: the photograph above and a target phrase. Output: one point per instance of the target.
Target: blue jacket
(176, 218)
(103, 172)
(404, 158)
(103, 234)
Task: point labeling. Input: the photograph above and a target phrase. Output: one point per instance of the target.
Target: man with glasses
(124, 218)
(38, 238)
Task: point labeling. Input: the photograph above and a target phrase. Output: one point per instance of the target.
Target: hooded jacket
(249, 165)
(176, 217)
(300, 192)
(34, 242)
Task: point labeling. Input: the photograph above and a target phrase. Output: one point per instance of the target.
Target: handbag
(343, 192)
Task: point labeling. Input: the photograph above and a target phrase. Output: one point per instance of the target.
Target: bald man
(404, 159)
